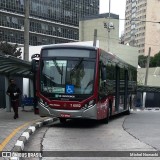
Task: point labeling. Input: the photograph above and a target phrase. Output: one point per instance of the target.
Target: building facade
(51, 21)
(142, 28)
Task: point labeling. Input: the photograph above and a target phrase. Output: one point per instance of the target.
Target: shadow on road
(77, 123)
(84, 123)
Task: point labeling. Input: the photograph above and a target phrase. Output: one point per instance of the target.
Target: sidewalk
(11, 129)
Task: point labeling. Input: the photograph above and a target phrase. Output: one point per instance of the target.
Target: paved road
(145, 126)
(123, 133)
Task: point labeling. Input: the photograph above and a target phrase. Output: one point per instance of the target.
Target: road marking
(7, 139)
(10, 136)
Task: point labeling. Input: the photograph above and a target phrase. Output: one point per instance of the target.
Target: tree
(10, 49)
(142, 61)
(155, 61)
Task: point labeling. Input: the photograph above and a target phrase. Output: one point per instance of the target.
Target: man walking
(13, 91)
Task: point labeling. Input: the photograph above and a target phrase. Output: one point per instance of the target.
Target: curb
(20, 143)
(146, 109)
(152, 109)
(136, 110)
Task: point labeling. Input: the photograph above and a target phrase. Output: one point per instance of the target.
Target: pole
(109, 9)
(8, 105)
(26, 31)
(147, 66)
(95, 37)
(146, 77)
(109, 26)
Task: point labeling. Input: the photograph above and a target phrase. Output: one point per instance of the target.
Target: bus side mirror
(35, 62)
(34, 65)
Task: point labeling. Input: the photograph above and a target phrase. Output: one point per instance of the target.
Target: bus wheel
(62, 120)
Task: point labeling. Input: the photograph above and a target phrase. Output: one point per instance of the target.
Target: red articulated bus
(75, 81)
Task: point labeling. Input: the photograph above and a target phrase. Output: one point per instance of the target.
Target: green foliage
(142, 61)
(10, 49)
(154, 61)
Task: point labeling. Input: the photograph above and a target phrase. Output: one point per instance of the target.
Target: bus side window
(102, 80)
(110, 82)
(103, 73)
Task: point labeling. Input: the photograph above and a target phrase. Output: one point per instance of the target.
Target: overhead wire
(137, 46)
(125, 19)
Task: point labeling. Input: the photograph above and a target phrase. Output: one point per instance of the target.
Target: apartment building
(142, 27)
(51, 21)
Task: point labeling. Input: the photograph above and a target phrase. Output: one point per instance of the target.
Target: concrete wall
(127, 53)
(86, 29)
(153, 76)
(86, 33)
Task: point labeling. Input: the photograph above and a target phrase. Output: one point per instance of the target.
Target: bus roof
(70, 46)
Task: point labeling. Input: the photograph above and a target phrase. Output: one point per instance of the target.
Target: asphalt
(12, 130)
(14, 133)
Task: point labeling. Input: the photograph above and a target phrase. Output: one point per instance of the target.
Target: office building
(142, 27)
(51, 21)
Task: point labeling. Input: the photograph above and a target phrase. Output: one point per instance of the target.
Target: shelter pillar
(8, 105)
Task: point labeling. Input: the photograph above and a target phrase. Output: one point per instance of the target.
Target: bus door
(122, 89)
(117, 89)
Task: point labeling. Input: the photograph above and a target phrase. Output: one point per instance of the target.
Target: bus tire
(62, 120)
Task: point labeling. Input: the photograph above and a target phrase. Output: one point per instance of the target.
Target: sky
(116, 7)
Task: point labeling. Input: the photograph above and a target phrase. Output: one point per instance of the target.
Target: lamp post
(107, 25)
(146, 77)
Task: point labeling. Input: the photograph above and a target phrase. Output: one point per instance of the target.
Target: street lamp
(109, 26)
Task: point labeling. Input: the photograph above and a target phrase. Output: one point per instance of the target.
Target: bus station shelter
(12, 67)
(152, 95)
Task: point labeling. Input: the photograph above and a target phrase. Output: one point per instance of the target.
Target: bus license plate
(65, 115)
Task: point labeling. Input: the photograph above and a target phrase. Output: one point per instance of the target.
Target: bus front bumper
(90, 113)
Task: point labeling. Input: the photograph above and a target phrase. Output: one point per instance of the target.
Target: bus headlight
(89, 104)
(40, 100)
(92, 102)
(43, 103)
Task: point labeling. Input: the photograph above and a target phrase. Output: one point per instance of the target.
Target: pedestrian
(14, 92)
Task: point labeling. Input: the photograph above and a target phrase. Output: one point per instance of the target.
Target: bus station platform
(11, 129)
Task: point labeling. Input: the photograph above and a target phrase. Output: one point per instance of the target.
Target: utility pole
(26, 35)
(109, 26)
(146, 77)
(95, 38)
(147, 66)
(26, 30)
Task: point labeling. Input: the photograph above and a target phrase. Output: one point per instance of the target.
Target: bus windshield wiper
(49, 77)
(58, 68)
(77, 65)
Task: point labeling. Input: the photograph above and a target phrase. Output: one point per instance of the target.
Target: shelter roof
(12, 66)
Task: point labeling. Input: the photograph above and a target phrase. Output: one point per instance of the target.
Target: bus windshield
(67, 76)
